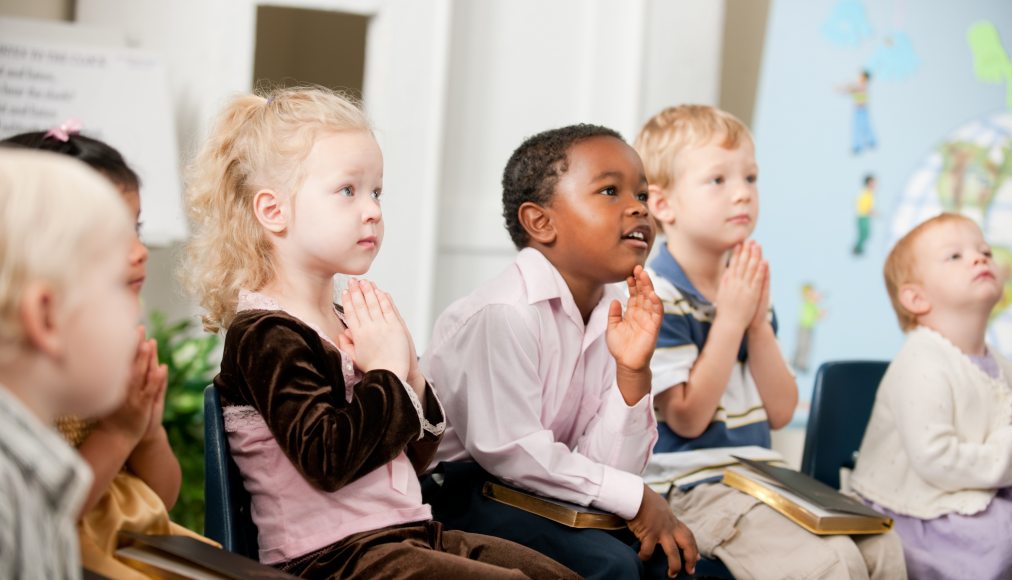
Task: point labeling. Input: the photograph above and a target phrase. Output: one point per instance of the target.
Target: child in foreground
(137, 476)
(545, 379)
(67, 336)
(937, 455)
(326, 412)
(720, 381)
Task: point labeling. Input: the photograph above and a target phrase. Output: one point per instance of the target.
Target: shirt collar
(250, 300)
(543, 282)
(667, 266)
(43, 456)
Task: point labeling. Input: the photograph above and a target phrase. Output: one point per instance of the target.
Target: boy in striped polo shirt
(67, 338)
(720, 381)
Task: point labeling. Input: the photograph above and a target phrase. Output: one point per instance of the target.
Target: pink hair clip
(64, 131)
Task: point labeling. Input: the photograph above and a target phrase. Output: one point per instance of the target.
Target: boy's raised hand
(741, 285)
(655, 524)
(632, 338)
(377, 334)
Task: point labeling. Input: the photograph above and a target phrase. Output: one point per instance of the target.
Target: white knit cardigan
(940, 436)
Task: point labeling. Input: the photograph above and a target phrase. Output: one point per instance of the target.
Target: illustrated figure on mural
(863, 137)
(847, 24)
(810, 314)
(991, 64)
(865, 211)
(894, 58)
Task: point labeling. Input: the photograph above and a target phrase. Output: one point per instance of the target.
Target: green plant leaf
(191, 367)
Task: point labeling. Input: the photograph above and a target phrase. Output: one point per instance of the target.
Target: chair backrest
(841, 406)
(227, 517)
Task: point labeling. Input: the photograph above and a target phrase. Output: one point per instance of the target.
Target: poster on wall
(115, 94)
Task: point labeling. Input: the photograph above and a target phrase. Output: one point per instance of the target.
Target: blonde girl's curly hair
(257, 142)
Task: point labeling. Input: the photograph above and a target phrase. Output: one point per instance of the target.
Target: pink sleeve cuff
(618, 417)
(621, 493)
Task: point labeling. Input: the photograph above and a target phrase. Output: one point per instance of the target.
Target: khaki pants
(754, 541)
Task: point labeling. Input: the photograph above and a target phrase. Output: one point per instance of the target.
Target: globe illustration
(970, 172)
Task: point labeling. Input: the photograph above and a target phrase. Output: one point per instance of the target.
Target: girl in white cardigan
(937, 455)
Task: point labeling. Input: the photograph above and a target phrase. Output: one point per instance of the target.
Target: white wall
(682, 62)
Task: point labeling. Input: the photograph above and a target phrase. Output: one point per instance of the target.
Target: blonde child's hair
(670, 131)
(258, 142)
(901, 264)
(56, 217)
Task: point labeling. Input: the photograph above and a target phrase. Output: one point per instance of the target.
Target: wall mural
(870, 117)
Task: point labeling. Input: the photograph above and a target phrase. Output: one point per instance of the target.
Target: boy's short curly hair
(534, 169)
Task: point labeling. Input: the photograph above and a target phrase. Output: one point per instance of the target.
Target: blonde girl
(327, 414)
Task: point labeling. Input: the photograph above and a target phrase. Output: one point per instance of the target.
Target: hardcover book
(807, 502)
(565, 513)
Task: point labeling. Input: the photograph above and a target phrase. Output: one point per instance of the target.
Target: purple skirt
(958, 546)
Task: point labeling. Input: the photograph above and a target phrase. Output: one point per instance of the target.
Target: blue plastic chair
(227, 503)
(841, 407)
(227, 517)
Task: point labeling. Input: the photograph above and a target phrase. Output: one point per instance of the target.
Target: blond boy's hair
(258, 142)
(56, 217)
(901, 264)
(670, 131)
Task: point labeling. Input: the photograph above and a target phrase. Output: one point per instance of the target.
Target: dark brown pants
(425, 550)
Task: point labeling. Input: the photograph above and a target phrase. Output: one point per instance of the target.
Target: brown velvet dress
(285, 370)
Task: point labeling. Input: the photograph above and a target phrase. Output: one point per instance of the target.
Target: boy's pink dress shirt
(530, 393)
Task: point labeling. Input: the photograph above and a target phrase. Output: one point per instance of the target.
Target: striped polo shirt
(739, 425)
(43, 482)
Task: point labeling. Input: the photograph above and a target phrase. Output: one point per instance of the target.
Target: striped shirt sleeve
(676, 350)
